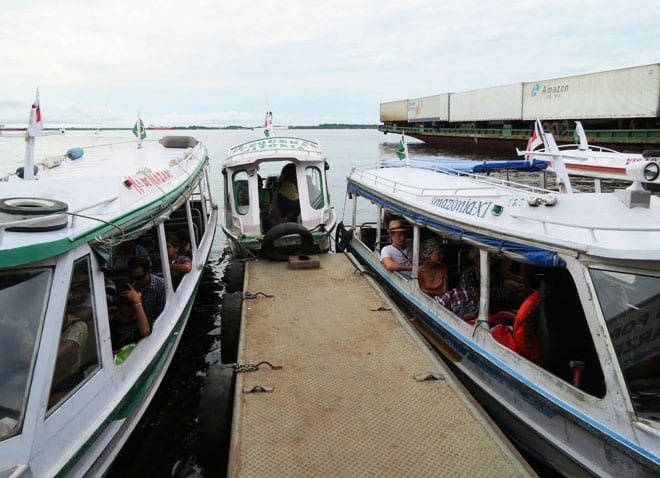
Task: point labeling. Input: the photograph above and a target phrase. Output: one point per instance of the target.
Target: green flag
(401, 150)
(139, 127)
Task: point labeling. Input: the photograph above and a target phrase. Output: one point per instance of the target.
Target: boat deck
(349, 399)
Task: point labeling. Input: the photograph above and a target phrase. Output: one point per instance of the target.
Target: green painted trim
(254, 242)
(141, 387)
(37, 252)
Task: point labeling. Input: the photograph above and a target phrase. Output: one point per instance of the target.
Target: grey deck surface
(346, 402)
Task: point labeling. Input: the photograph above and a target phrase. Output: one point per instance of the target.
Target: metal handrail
(482, 180)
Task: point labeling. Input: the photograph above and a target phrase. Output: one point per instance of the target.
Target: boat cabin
(276, 181)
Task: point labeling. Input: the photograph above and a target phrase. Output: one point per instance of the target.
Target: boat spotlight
(651, 171)
(644, 171)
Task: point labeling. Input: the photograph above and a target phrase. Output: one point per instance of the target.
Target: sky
(223, 62)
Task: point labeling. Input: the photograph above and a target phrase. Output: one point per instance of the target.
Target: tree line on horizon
(232, 127)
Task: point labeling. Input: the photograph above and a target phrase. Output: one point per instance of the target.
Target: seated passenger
(469, 275)
(464, 300)
(68, 371)
(144, 288)
(286, 202)
(432, 273)
(128, 324)
(127, 249)
(79, 298)
(397, 256)
(179, 264)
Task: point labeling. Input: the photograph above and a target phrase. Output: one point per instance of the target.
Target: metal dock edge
(349, 399)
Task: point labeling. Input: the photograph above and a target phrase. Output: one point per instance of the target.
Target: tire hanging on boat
(234, 275)
(230, 326)
(214, 418)
(282, 253)
(23, 208)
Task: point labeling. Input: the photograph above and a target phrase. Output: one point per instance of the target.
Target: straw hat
(398, 225)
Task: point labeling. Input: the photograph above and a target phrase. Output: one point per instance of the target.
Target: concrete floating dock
(350, 398)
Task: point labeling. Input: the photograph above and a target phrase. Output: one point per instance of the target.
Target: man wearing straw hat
(398, 255)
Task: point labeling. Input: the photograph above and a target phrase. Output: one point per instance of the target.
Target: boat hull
(556, 434)
(84, 393)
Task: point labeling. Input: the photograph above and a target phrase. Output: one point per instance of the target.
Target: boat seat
(368, 236)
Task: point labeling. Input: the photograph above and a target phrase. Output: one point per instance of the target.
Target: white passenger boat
(276, 198)
(563, 343)
(68, 401)
(584, 159)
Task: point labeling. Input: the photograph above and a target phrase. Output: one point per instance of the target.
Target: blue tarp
(466, 165)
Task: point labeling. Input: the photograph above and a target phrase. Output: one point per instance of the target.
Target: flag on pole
(580, 137)
(35, 126)
(402, 149)
(268, 124)
(534, 140)
(138, 129)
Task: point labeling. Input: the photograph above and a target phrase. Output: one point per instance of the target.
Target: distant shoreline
(172, 128)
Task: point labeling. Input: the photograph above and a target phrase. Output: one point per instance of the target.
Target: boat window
(315, 186)
(536, 311)
(77, 354)
(23, 295)
(533, 310)
(241, 192)
(631, 308)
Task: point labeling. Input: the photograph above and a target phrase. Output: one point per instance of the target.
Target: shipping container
(394, 111)
(626, 93)
(499, 103)
(429, 108)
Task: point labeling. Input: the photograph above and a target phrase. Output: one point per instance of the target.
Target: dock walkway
(349, 399)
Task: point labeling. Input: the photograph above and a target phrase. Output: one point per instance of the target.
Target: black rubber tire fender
(230, 323)
(214, 418)
(27, 206)
(234, 275)
(30, 208)
(285, 229)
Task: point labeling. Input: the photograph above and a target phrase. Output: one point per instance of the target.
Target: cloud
(218, 63)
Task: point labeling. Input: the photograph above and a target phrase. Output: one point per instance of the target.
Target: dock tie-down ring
(428, 377)
(257, 389)
(250, 295)
(251, 367)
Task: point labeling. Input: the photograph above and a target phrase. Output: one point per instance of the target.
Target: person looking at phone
(144, 289)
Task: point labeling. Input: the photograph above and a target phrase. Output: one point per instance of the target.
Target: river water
(165, 441)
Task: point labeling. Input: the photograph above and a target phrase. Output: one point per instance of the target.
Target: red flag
(534, 141)
(35, 126)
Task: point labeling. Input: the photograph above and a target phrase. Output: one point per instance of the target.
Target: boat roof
(275, 148)
(598, 224)
(108, 189)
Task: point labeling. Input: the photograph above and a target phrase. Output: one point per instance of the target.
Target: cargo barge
(618, 108)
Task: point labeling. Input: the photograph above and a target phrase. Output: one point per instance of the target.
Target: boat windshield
(23, 295)
(631, 307)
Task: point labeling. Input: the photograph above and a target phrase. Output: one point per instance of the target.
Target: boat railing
(499, 186)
